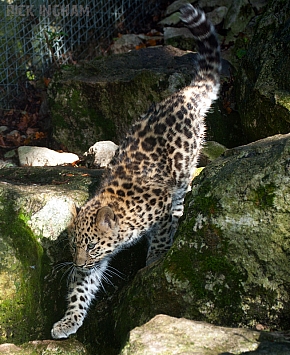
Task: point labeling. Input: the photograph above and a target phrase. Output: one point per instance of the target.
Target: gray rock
(173, 19)
(9, 348)
(175, 6)
(259, 4)
(217, 15)
(3, 129)
(213, 150)
(170, 32)
(99, 100)
(10, 154)
(125, 43)
(41, 347)
(34, 210)
(58, 209)
(230, 259)
(234, 12)
(169, 335)
(215, 3)
(100, 154)
(263, 83)
(179, 37)
(41, 156)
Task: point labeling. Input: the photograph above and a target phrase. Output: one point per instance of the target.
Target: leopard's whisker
(58, 267)
(112, 271)
(67, 272)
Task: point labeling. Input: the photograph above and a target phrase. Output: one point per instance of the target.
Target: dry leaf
(39, 135)
(142, 45)
(151, 42)
(46, 81)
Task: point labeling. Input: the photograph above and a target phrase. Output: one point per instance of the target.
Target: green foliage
(241, 52)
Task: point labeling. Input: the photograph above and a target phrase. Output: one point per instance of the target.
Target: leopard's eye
(91, 246)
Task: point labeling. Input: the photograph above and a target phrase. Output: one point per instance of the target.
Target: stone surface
(173, 19)
(229, 264)
(100, 154)
(217, 15)
(213, 150)
(179, 37)
(34, 212)
(164, 335)
(99, 100)
(45, 347)
(125, 43)
(43, 222)
(175, 6)
(169, 335)
(263, 81)
(9, 348)
(41, 156)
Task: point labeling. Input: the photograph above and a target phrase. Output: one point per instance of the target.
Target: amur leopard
(144, 191)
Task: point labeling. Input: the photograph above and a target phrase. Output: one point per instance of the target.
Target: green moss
(198, 264)
(20, 314)
(180, 42)
(263, 196)
(213, 150)
(283, 98)
(64, 347)
(81, 116)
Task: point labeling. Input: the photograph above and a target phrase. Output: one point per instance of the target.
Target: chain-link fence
(34, 34)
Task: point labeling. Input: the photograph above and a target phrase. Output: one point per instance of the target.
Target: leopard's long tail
(209, 60)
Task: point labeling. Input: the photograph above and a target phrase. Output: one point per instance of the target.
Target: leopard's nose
(80, 258)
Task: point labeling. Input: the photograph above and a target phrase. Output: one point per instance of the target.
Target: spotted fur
(146, 186)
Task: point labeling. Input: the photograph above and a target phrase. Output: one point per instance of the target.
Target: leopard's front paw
(64, 328)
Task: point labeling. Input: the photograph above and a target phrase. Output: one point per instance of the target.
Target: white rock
(100, 154)
(56, 209)
(41, 156)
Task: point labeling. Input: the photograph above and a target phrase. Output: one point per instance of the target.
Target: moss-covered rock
(229, 264)
(31, 242)
(45, 347)
(100, 99)
(263, 82)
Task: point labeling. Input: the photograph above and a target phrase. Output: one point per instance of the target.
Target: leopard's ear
(74, 212)
(73, 209)
(105, 218)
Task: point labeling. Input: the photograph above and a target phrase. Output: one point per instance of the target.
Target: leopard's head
(93, 235)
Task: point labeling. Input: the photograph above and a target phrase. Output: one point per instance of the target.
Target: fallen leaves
(20, 128)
